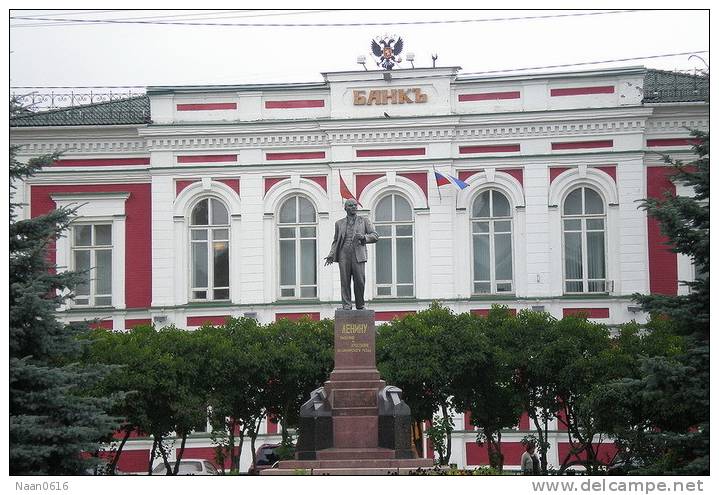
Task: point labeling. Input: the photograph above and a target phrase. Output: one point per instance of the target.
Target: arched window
(491, 243)
(298, 248)
(394, 223)
(584, 227)
(210, 251)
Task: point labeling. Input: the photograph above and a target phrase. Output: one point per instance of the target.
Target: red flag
(345, 192)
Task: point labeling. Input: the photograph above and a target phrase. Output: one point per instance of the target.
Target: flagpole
(435, 182)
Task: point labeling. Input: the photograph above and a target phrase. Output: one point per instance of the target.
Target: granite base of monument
(355, 423)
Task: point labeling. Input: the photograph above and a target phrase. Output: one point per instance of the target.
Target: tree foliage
(54, 421)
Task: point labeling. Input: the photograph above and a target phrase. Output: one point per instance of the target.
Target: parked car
(196, 467)
(265, 458)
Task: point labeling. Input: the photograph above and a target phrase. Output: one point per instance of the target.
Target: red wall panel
(419, 178)
(390, 152)
(362, 181)
(295, 104)
(102, 162)
(198, 321)
(134, 461)
(605, 453)
(234, 184)
(499, 95)
(554, 172)
(271, 181)
(207, 453)
(577, 145)
(133, 322)
(185, 107)
(298, 155)
(589, 90)
(138, 232)
(478, 455)
(490, 148)
(206, 158)
(652, 143)
(610, 170)
(182, 184)
(319, 179)
(663, 274)
(590, 312)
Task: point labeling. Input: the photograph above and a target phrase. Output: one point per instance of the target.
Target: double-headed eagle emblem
(387, 51)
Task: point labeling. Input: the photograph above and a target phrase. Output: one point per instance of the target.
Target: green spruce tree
(669, 401)
(54, 423)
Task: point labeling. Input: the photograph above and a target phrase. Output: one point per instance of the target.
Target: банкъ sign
(387, 96)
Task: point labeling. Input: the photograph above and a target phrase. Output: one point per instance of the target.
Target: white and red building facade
(222, 202)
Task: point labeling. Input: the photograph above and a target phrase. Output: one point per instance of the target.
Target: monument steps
(339, 454)
(356, 463)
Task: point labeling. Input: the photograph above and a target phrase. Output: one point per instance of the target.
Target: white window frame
(583, 217)
(210, 258)
(96, 208)
(92, 248)
(298, 286)
(492, 261)
(393, 224)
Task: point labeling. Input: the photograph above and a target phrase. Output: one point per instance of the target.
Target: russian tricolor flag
(443, 180)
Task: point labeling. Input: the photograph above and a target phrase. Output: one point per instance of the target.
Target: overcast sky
(46, 53)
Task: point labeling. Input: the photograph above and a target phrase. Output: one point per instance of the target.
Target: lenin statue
(349, 249)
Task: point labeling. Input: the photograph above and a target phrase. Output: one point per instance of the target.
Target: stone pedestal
(355, 423)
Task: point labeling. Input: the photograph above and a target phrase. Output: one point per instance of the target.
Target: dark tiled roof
(117, 112)
(667, 87)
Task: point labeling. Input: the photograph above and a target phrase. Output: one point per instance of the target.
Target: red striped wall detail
(390, 152)
(364, 180)
(138, 251)
(391, 315)
(652, 143)
(554, 172)
(297, 316)
(295, 104)
(233, 184)
(131, 323)
(272, 425)
(271, 181)
(429, 454)
(485, 311)
(198, 321)
(419, 178)
(490, 148)
(206, 158)
(610, 170)
(589, 312)
(102, 324)
(134, 461)
(188, 107)
(499, 95)
(182, 184)
(606, 451)
(588, 90)
(663, 273)
(580, 145)
(299, 155)
(102, 162)
(517, 173)
(319, 179)
(478, 455)
(468, 421)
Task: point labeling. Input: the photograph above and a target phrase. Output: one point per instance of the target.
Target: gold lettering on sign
(359, 97)
(354, 328)
(387, 96)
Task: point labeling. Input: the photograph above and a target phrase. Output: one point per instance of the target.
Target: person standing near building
(528, 460)
(349, 249)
